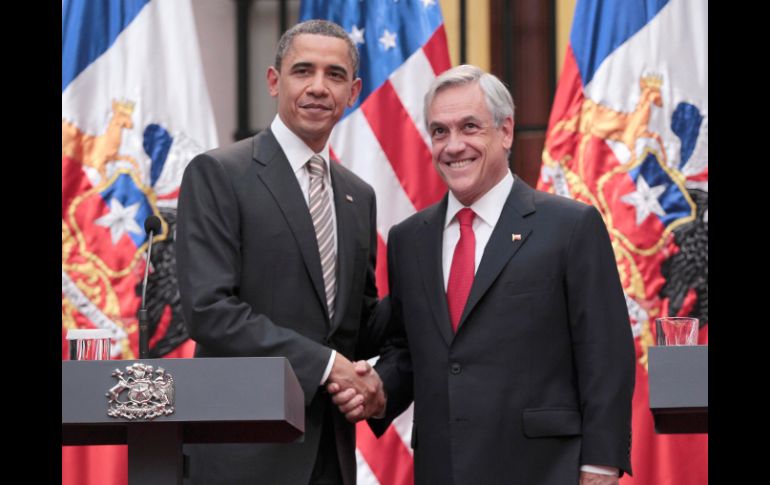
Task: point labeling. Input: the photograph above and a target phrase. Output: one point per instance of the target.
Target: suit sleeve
(375, 316)
(602, 344)
(395, 364)
(209, 265)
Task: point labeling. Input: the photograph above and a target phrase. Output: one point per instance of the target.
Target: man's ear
(507, 128)
(273, 76)
(355, 90)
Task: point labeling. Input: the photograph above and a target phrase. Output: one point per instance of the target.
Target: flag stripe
(86, 35)
(619, 20)
(569, 95)
(365, 476)
(359, 150)
(437, 52)
(411, 81)
(381, 270)
(387, 456)
(404, 146)
(403, 426)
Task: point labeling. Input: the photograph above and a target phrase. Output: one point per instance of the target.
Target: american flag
(383, 140)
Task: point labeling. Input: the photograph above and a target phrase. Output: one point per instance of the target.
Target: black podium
(679, 390)
(227, 400)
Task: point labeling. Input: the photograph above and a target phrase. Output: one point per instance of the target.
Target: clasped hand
(356, 389)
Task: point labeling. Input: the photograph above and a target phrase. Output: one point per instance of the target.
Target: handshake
(356, 389)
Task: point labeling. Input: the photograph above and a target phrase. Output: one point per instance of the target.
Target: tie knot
(316, 166)
(465, 216)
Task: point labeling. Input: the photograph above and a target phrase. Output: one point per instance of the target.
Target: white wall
(215, 21)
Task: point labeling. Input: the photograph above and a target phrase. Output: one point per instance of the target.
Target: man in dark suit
(276, 250)
(511, 330)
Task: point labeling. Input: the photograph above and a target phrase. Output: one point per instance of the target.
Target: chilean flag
(628, 134)
(135, 110)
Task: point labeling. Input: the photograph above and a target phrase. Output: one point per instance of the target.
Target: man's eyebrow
(462, 120)
(468, 118)
(339, 68)
(333, 67)
(301, 64)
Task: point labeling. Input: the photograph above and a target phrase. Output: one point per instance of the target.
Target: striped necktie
(321, 213)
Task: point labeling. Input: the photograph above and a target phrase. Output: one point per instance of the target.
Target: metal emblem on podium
(142, 392)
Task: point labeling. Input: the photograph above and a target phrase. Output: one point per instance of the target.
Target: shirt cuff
(329, 367)
(600, 470)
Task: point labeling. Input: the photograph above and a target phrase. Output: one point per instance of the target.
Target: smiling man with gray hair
(511, 332)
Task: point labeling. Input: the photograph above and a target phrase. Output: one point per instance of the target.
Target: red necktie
(463, 266)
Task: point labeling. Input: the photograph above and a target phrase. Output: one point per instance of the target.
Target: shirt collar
(296, 151)
(488, 207)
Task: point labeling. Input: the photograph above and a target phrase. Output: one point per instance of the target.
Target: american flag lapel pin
(515, 237)
(349, 197)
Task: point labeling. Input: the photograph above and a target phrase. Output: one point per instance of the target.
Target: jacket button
(456, 368)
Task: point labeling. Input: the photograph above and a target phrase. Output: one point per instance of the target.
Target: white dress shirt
(298, 154)
(488, 209)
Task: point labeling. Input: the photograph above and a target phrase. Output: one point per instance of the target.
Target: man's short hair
(499, 100)
(317, 27)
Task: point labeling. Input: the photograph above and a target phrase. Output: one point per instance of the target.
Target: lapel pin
(349, 197)
(515, 237)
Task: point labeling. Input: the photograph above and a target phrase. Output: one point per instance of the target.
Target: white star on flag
(120, 220)
(356, 35)
(388, 40)
(645, 200)
(428, 3)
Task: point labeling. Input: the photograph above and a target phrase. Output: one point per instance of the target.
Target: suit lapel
(280, 180)
(502, 246)
(429, 243)
(346, 241)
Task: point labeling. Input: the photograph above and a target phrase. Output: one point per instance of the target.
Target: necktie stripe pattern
(321, 213)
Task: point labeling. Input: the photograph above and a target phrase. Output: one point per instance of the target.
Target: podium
(678, 378)
(216, 400)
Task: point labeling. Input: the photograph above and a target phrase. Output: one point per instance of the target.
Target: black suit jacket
(539, 377)
(251, 285)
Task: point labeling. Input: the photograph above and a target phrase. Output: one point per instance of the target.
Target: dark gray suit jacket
(251, 285)
(538, 379)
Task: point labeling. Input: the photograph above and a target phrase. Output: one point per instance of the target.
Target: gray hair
(499, 100)
(317, 27)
